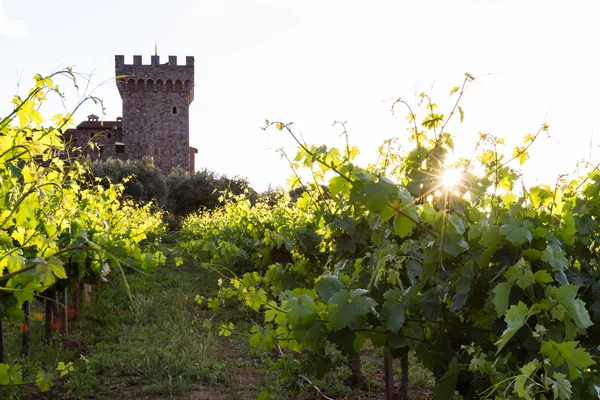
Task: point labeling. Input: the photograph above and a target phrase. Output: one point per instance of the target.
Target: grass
(159, 349)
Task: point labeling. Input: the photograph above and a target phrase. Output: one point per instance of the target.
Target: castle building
(156, 119)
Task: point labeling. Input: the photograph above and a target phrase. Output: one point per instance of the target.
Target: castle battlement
(154, 61)
(155, 77)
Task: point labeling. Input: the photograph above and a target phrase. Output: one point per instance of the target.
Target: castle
(155, 122)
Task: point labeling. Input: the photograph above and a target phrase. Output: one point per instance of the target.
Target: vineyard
(457, 269)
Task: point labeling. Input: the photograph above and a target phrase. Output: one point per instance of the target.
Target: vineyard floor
(161, 350)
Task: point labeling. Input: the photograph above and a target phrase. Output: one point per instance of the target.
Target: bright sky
(316, 61)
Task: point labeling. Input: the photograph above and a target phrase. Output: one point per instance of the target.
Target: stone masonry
(155, 121)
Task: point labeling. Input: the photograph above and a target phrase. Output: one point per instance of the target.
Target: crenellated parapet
(155, 77)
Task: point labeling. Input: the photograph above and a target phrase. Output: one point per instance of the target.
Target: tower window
(109, 135)
(174, 110)
(120, 148)
(91, 134)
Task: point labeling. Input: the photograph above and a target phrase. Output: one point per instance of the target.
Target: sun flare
(451, 178)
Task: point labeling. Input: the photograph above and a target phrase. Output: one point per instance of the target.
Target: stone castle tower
(156, 118)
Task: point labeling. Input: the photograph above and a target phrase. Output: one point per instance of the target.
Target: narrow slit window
(91, 135)
(174, 110)
(109, 135)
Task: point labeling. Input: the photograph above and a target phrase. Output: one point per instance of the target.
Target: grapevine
(58, 227)
(494, 287)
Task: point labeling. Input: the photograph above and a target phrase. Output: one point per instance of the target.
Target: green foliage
(142, 179)
(57, 228)
(188, 194)
(487, 284)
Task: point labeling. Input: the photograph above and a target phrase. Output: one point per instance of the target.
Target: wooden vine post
(388, 366)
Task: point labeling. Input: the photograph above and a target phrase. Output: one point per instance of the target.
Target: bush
(202, 190)
(147, 182)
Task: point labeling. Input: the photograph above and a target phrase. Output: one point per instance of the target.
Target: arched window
(91, 134)
(169, 85)
(178, 85)
(174, 110)
(140, 84)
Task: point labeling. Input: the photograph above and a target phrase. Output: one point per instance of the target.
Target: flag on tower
(155, 49)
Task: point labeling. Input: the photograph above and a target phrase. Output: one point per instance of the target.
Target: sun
(451, 178)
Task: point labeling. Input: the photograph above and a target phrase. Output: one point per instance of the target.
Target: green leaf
(350, 307)
(515, 319)
(256, 298)
(403, 226)
(516, 233)
(301, 310)
(262, 338)
(445, 386)
(576, 358)
(561, 387)
(565, 295)
(48, 269)
(328, 285)
(337, 184)
(555, 256)
(526, 279)
(457, 226)
(520, 385)
(4, 374)
(374, 192)
(393, 310)
(462, 113)
(542, 277)
(463, 285)
(501, 295)
(44, 381)
(64, 369)
(431, 305)
(520, 152)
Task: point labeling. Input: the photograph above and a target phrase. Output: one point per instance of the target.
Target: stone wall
(156, 101)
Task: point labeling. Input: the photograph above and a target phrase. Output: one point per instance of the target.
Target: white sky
(313, 62)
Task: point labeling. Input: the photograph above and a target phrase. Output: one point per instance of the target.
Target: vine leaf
(575, 308)
(44, 381)
(393, 309)
(48, 269)
(561, 387)
(376, 194)
(521, 380)
(444, 387)
(516, 233)
(328, 285)
(402, 225)
(301, 310)
(10, 375)
(515, 319)
(431, 303)
(350, 307)
(554, 256)
(501, 295)
(576, 358)
(262, 338)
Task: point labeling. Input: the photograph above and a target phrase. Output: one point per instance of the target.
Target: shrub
(189, 193)
(147, 182)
